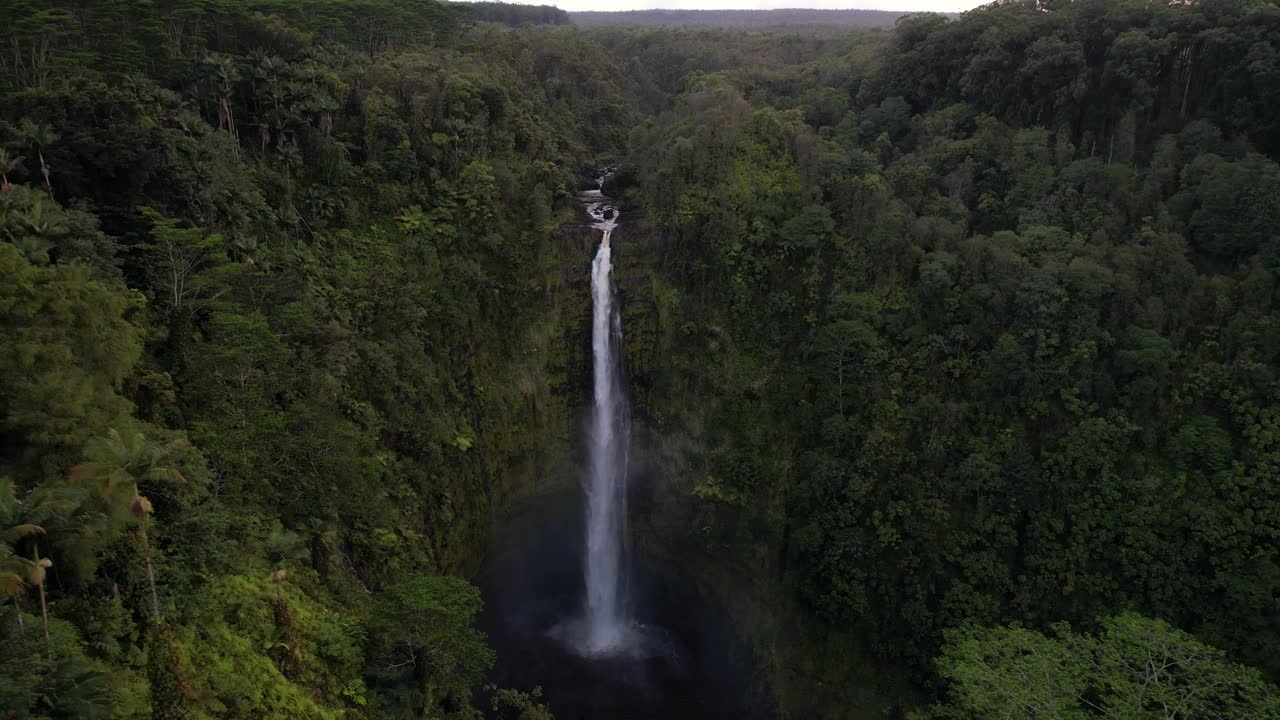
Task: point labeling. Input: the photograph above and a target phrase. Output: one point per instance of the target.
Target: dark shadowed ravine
(691, 666)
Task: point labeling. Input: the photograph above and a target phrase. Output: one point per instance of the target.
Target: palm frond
(36, 571)
(8, 498)
(52, 501)
(10, 163)
(137, 447)
(12, 584)
(23, 531)
(88, 471)
(165, 474)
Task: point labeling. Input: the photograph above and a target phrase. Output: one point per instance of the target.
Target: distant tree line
(515, 14)
(737, 18)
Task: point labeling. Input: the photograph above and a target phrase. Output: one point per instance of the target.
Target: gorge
(633, 642)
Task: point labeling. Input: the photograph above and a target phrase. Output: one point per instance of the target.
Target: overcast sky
(911, 5)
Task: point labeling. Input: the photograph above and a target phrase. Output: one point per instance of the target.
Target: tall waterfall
(607, 625)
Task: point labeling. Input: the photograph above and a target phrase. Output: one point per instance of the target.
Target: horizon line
(878, 6)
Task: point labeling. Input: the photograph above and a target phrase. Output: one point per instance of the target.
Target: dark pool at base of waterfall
(684, 661)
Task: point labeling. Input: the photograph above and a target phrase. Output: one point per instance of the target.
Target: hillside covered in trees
(956, 347)
(737, 18)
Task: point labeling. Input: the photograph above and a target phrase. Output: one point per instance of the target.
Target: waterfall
(607, 625)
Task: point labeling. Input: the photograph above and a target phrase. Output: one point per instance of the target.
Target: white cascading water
(607, 625)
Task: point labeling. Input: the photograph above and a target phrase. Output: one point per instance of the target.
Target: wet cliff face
(528, 442)
(657, 487)
(634, 264)
(688, 661)
(528, 401)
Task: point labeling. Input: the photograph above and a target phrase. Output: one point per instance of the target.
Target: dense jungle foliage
(767, 19)
(963, 348)
(278, 341)
(981, 327)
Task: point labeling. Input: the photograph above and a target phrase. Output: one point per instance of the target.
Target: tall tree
(38, 138)
(423, 644)
(1134, 668)
(112, 471)
(15, 570)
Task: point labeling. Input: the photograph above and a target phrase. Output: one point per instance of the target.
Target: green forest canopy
(771, 19)
(964, 345)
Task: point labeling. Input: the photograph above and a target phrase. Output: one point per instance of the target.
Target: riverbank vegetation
(965, 338)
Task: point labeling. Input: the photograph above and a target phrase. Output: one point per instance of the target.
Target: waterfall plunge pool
(688, 662)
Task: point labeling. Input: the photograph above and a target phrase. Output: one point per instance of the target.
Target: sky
(907, 5)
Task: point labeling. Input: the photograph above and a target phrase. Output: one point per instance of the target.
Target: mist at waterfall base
(570, 609)
(692, 664)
